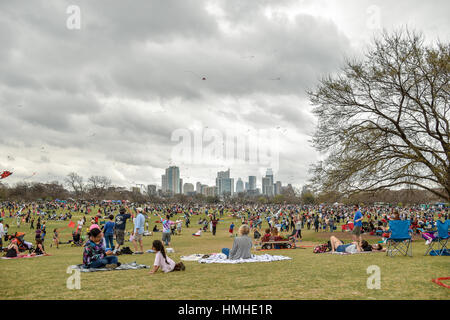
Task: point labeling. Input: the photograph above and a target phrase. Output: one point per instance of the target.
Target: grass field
(306, 276)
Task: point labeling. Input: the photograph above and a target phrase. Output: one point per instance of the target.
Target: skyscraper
(198, 187)
(224, 184)
(267, 183)
(188, 188)
(277, 186)
(239, 186)
(172, 178)
(252, 183)
(164, 185)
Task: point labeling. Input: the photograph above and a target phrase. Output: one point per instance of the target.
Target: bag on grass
(321, 248)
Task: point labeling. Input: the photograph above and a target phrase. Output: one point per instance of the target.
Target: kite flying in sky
(5, 174)
(196, 74)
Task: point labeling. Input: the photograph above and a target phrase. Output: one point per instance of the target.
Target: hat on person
(139, 209)
(122, 210)
(94, 226)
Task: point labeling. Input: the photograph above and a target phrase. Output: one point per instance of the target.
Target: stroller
(21, 244)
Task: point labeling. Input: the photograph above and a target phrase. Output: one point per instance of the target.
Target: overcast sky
(105, 99)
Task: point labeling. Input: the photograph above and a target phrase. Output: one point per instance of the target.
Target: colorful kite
(5, 174)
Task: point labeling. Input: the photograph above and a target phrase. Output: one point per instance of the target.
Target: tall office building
(198, 187)
(188, 188)
(246, 186)
(252, 183)
(172, 178)
(224, 184)
(239, 186)
(267, 183)
(277, 186)
(164, 186)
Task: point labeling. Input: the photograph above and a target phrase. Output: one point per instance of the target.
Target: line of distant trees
(101, 188)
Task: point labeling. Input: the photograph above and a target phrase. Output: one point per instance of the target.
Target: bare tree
(384, 121)
(98, 185)
(75, 181)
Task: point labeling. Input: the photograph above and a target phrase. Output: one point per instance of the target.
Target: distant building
(136, 190)
(239, 186)
(267, 183)
(224, 184)
(251, 183)
(171, 180)
(188, 188)
(211, 191)
(198, 187)
(246, 186)
(151, 189)
(164, 184)
(277, 187)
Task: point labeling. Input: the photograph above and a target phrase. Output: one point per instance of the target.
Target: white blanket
(192, 257)
(221, 258)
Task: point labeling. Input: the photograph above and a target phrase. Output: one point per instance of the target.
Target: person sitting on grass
(39, 250)
(162, 261)
(241, 245)
(198, 233)
(12, 250)
(94, 255)
(266, 236)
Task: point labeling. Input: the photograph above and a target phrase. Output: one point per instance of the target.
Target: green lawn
(306, 276)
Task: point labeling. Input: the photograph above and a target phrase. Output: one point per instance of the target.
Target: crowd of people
(106, 233)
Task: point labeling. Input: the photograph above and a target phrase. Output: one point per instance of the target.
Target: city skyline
(225, 184)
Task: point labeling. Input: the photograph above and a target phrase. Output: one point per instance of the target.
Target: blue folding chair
(399, 242)
(441, 240)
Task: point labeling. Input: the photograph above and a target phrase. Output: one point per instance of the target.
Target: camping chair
(399, 242)
(441, 240)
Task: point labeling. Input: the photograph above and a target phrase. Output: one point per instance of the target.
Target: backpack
(126, 250)
(322, 248)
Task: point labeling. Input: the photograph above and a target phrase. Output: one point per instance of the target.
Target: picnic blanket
(347, 253)
(222, 258)
(124, 266)
(27, 256)
(194, 257)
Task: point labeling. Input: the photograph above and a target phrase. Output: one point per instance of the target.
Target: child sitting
(13, 249)
(198, 233)
(162, 261)
(266, 236)
(95, 255)
(39, 248)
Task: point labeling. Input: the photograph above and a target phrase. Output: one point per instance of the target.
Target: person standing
(2, 233)
(119, 227)
(166, 230)
(138, 231)
(357, 224)
(214, 223)
(298, 229)
(108, 230)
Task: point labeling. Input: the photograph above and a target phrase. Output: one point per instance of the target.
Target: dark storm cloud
(105, 99)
